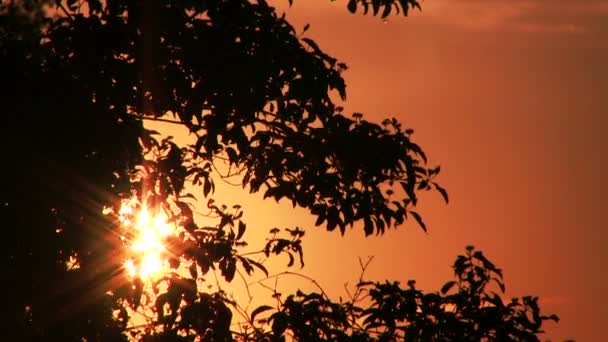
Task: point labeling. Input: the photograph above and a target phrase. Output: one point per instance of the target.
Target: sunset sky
(511, 99)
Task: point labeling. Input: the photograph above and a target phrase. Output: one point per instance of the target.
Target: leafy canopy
(259, 98)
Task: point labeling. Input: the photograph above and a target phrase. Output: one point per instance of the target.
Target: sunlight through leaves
(145, 234)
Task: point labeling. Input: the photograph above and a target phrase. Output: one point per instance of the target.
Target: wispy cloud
(542, 16)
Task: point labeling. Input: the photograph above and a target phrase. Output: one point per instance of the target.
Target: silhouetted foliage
(80, 78)
(465, 309)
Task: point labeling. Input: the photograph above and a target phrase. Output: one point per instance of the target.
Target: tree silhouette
(81, 77)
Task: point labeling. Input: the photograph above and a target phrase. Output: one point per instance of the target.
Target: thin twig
(60, 5)
(276, 276)
(147, 118)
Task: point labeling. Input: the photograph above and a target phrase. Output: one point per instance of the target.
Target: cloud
(540, 16)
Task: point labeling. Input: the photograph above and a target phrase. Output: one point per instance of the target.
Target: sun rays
(145, 235)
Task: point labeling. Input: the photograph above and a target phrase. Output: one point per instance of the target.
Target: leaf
(207, 186)
(442, 191)
(193, 271)
(419, 220)
(246, 265)
(241, 230)
(232, 155)
(404, 6)
(333, 218)
(408, 186)
(185, 209)
(317, 209)
(501, 285)
(138, 287)
(230, 270)
(352, 6)
(312, 44)
(259, 310)
(387, 10)
(188, 195)
(301, 255)
(375, 6)
(259, 266)
(486, 263)
(364, 283)
(279, 323)
(368, 226)
(320, 219)
(342, 227)
(423, 185)
(160, 302)
(446, 288)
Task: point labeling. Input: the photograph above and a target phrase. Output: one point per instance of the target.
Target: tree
(81, 168)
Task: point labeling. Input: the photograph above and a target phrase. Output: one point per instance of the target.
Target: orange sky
(511, 99)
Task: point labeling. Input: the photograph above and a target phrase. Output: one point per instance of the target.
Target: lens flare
(146, 247)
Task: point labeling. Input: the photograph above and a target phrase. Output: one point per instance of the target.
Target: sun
(145, 236)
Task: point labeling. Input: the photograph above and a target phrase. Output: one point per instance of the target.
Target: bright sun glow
(147, 252)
